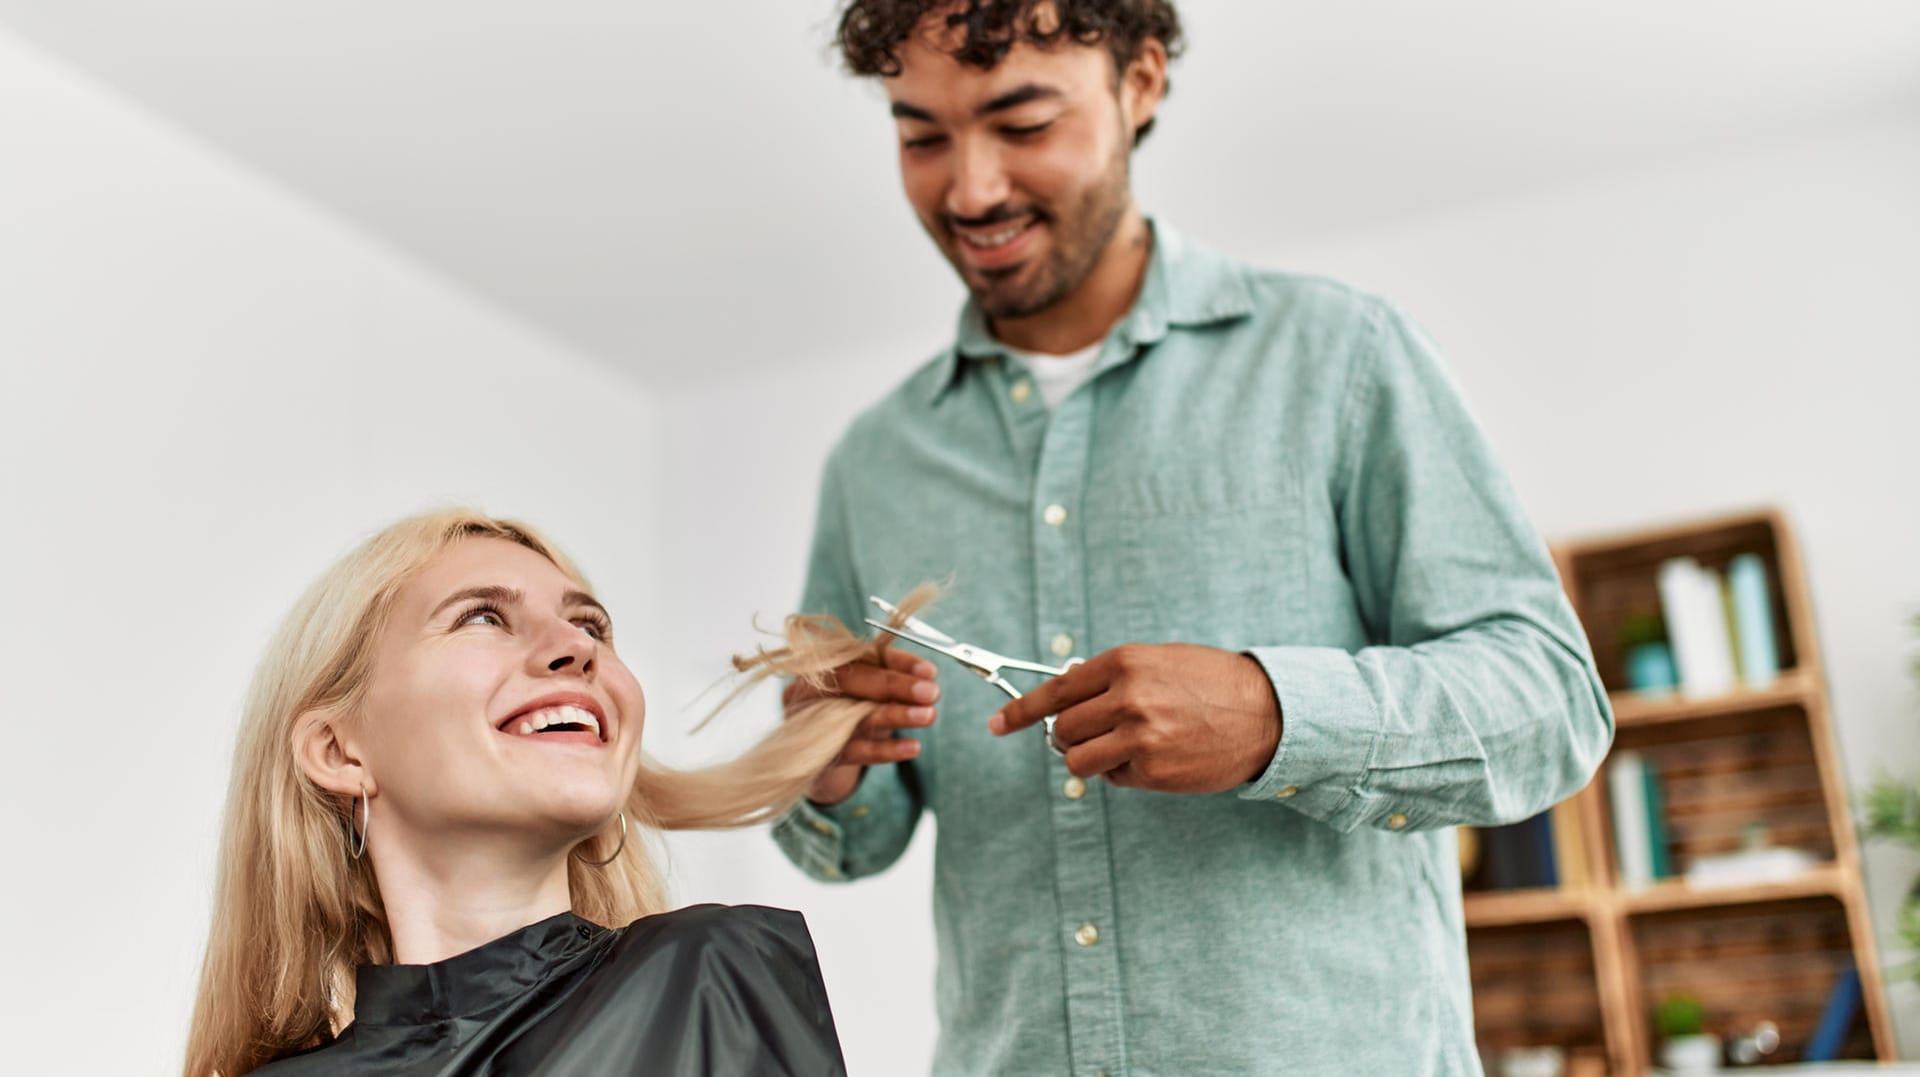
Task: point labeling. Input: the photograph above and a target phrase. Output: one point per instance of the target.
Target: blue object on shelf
(1842, 1006)
(1650, 668)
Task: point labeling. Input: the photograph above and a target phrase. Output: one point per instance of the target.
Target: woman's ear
(320, 747)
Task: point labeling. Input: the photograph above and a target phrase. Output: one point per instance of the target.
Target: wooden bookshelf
(1582, 968)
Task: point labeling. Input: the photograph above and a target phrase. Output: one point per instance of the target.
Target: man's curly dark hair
(872, 31)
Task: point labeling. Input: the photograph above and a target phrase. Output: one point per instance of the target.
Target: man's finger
(1077, 685)
(884, 720)
(1085, 721)
(1101, 755)
(907, 662)
(869, 682)
(874, 753)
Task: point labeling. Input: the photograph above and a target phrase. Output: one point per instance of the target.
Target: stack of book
(1639, 819)
(1544, 851)
(1720, 625)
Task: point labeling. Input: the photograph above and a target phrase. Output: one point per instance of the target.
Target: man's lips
(560, 717)
(996, 245)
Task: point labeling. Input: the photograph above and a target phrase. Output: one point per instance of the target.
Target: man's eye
(1029, 131)
(924, 142)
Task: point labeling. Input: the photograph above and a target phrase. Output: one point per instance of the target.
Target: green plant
(1679, 1015)
(1890, 811)
(1642, 627)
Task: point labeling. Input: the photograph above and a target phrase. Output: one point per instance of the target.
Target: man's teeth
(553, 716)
(1000, 238)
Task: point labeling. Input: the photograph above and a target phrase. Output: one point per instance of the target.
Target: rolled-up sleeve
(1478, 703)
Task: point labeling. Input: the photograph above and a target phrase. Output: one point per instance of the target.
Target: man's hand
(906, 688)
(1172, 717)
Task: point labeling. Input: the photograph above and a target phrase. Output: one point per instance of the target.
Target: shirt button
(1087, 935)
(831, 873)
(1055, 515)
(823, 826)
(1397, 821)
(1021, 391)
(861, 811)
(1075, 789)
(1287, 792)
(1062, 645)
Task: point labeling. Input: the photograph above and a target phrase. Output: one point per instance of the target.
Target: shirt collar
(1186, 285)
(473, 981)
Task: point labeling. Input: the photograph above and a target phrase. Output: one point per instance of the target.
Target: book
(1753, 620)
(1627, 796)
(1659, 860)
(1569, 845)
(1695, 613)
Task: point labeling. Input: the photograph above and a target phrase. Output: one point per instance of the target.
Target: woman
(438, 799)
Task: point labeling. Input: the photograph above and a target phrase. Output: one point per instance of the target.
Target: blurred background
(274, 274)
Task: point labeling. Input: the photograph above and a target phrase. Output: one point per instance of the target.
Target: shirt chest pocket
(1210, 559)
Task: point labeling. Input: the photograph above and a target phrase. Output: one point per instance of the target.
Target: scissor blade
(911, 636)
(914, 623)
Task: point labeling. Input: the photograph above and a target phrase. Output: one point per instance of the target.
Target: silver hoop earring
(359, 846)
(616, 849)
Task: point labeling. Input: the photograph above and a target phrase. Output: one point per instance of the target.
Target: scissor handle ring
(1051, 742)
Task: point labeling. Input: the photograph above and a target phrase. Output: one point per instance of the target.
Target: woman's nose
(563, 646)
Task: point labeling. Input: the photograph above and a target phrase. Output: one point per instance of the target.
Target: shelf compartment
(1534, 986)
(1723, 774)
(1612, 580)
(1774, 961)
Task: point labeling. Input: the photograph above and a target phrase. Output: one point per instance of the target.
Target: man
(1322, 634)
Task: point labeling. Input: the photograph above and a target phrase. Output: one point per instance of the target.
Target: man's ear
(1144, 83)
(321, 749)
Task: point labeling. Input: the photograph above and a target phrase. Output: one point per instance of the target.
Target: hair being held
(295, 912)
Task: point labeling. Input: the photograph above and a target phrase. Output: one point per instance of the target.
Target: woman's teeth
(558, 716)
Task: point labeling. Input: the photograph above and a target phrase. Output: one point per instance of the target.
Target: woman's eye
(481, 617)
(596, 629)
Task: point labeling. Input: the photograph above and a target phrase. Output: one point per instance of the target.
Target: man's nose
(978, 183)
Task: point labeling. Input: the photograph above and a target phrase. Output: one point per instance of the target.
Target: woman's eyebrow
(505, 596)
(581, 598)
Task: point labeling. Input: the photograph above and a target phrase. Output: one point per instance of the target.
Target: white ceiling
(690, 189)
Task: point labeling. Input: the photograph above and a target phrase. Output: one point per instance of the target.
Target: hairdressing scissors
(977, 659)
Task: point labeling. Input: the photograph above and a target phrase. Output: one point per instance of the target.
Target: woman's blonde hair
(294, 913)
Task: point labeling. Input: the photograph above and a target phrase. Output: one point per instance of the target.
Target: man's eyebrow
(903, 111)
(1014, 98)
(503, 596)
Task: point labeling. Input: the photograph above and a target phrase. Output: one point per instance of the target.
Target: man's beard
(1080, 236)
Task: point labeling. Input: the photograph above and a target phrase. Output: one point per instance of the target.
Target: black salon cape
(709, 989)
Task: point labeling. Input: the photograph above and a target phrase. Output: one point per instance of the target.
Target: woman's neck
(443, 905)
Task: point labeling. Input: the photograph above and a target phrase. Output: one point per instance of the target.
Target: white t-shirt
(1057, 376)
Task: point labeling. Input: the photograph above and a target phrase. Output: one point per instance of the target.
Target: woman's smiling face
(496, 705)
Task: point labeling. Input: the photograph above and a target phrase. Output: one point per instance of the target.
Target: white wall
(1724, 332)
(207, 391)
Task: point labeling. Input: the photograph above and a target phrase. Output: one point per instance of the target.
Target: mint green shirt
(1271, 464)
